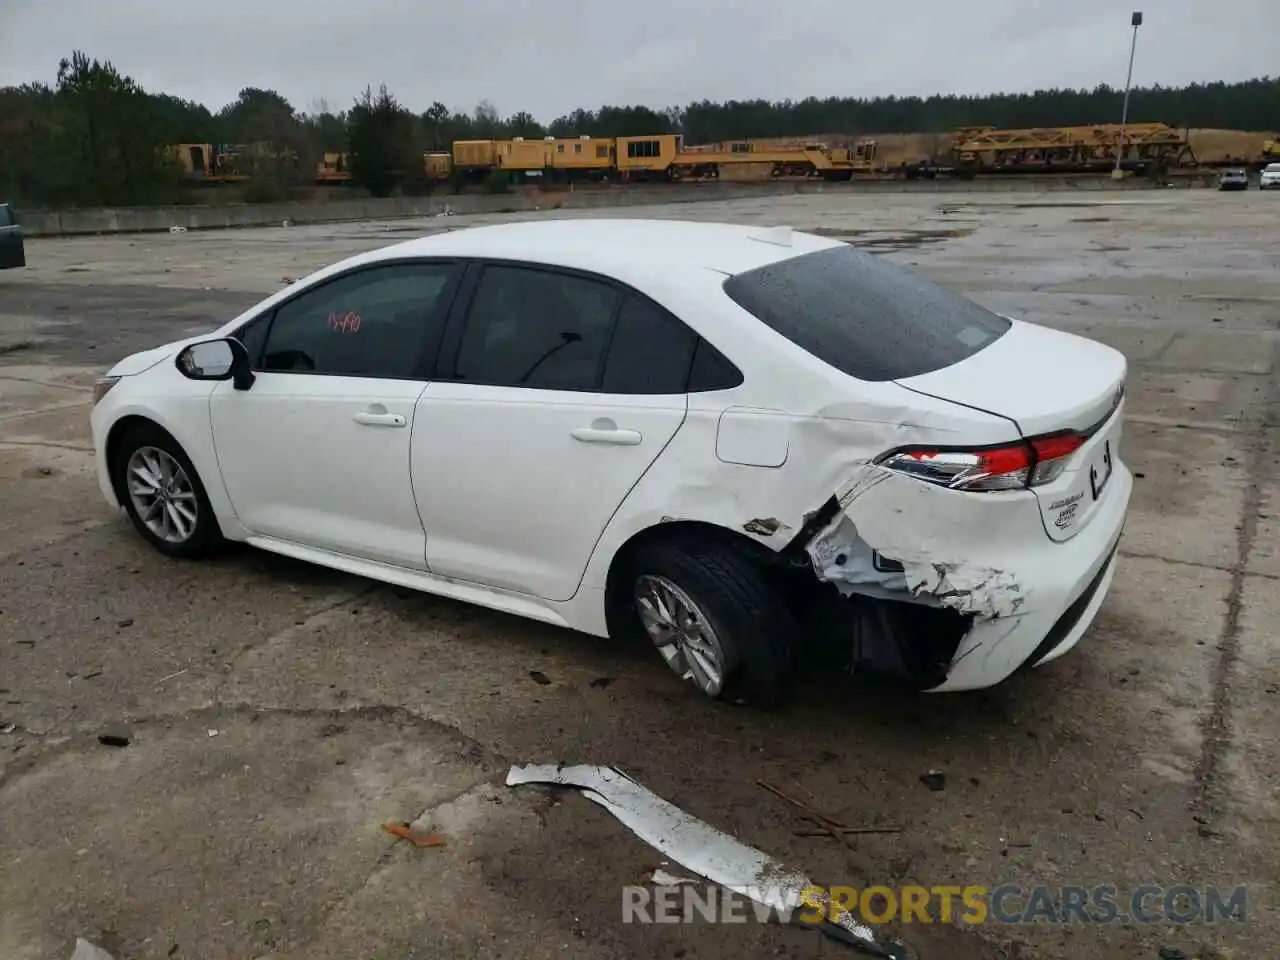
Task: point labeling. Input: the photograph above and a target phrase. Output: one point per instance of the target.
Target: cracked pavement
(279, 713)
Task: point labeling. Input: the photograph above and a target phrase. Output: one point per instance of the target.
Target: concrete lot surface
(279, 713)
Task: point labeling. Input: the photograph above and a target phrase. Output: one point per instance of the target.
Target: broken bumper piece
(706, 851)
(1000, 595)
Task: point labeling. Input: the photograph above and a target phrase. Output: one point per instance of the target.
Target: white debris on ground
(88, 951)
(702, 849)
(664, 878)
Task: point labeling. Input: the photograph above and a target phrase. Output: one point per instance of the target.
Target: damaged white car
(746, 442)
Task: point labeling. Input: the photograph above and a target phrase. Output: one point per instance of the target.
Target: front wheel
(715, 620)
(162, 493)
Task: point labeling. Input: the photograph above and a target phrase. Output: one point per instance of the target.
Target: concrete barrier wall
(148, 219)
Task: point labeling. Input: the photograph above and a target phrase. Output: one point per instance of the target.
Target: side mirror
(225, 359)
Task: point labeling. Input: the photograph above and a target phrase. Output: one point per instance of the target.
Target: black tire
(748, 614)
(207, 537)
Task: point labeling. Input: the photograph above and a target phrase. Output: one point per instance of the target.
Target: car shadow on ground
(826, 696)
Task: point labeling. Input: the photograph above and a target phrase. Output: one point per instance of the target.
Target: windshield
(864, 315)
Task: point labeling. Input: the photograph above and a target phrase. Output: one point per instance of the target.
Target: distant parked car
(12, 252)
(1270, 178)
(1235, 178)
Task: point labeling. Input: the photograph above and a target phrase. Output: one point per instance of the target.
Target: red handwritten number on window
(344, 322)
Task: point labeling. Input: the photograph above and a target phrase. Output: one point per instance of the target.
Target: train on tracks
(558, 159)
(973, 151)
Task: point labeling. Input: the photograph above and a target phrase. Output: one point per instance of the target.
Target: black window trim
(424, 368)
(447, 358)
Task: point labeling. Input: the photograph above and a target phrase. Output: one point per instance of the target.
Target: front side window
(380, 322)
(865, 316)
(536, 328)
(254, 337)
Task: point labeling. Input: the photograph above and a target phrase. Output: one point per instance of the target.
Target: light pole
(1135, 21)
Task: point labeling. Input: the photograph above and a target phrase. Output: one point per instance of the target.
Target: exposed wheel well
(617, 603)
(898, 639)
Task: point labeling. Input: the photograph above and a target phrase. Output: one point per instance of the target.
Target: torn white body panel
(841, 555)
(683, 838)
(696, 845)
(985, 556)
(826, 440)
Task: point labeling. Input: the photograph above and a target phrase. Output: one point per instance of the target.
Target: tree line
(96, 137)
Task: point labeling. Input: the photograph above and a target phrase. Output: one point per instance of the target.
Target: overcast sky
(551, 56)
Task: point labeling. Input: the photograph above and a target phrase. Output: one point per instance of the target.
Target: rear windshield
(6, 218)
(865, 316)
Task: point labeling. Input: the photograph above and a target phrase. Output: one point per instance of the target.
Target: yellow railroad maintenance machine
(657, 157)
(1142, 147)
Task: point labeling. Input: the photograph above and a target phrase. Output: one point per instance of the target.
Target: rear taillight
(1014, 466)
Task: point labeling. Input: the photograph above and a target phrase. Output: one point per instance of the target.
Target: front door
(317, 450)
(531, 438)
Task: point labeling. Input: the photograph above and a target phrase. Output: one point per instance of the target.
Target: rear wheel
(162, 493)
(715, 620)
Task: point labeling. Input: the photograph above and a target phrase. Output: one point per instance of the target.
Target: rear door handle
(604, 430)
(369, 418)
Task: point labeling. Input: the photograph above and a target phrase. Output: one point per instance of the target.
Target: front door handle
(604, 430)
(377, 416)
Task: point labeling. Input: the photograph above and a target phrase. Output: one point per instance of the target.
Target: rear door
(556, 392)
(12, 252)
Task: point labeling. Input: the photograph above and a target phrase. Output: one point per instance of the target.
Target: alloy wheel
(681, 632)
(162, 494)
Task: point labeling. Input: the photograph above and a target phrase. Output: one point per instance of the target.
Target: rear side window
(712, 370)
(651, 351)
(865, 316)
(6, 216)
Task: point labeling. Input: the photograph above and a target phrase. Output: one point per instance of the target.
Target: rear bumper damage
(958, 595)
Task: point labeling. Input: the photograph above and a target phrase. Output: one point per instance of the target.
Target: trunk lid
(1047, 381)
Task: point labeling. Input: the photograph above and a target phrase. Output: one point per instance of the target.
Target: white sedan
(749, 443)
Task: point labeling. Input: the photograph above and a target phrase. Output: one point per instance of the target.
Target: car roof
(611, 244)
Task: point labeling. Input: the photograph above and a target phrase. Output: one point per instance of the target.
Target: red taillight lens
(1015, 466)
(1052, 453)
(1056, 445)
